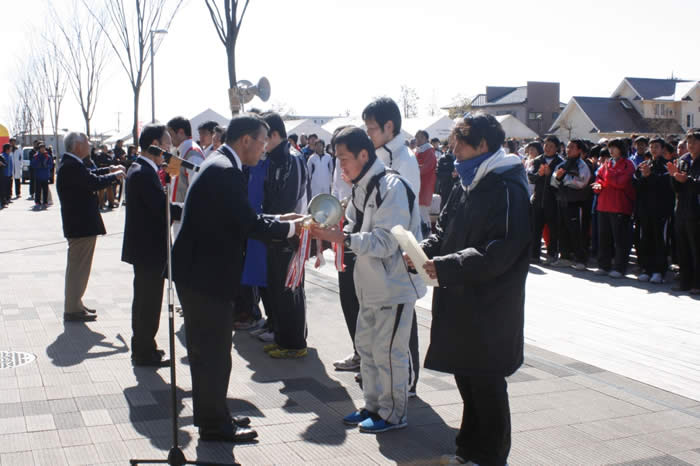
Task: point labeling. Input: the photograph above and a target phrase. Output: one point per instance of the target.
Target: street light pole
(153, 79)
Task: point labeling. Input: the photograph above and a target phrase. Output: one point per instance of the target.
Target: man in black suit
(207, 265)
(145, 245)
(77, 187)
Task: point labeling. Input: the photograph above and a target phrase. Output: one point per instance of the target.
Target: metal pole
(153, 85)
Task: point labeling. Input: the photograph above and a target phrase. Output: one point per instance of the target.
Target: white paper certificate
(410, 246)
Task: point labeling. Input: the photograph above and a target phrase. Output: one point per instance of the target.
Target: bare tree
(83, 56)
(408, 101)
(128, 31)
(463, 105)
(53, 83)
(227, 28)
(568, 126)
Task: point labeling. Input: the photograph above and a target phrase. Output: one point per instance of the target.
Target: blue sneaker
(375, 424)
(355, 418)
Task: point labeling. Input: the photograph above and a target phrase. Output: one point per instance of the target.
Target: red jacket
(427, 162)
(618, 193)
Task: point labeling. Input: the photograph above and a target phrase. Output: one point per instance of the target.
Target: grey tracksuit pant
(381, 339)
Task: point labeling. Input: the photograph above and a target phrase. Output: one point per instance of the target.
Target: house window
(534, 116)
(690, 120)
(660, 110)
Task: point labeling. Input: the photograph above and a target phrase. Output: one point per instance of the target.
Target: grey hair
(71, 139)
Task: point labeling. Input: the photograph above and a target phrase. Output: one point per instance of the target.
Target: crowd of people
(598, 200)
(238, 202)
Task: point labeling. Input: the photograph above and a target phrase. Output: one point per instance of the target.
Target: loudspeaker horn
(246, 90)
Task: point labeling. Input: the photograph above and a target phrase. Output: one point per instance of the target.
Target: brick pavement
(81, 402)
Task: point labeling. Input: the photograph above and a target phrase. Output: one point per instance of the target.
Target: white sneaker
(562, 263)
(412, 393)
(656, 278)
(548, 260)
(267, 337)
(350, 363)
(643, 277)
(615, 274)
(579, 266)
(601, 272)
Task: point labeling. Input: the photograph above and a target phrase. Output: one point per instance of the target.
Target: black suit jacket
(77, 190)
(209, 252)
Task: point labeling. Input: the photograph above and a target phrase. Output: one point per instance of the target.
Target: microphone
(155, 150)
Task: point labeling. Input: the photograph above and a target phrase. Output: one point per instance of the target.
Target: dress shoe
(154, 359)
(78, 317)
(91, 311)
(241, 421)
(228, 434)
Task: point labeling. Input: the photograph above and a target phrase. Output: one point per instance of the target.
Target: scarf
(423, 147)
(467, 168)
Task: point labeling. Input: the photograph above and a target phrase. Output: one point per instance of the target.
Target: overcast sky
(326, 57)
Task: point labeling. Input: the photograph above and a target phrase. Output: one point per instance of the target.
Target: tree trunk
(231, 55)
(87, 124)
(135, 129)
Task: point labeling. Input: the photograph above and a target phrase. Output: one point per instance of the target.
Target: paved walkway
(81, 402)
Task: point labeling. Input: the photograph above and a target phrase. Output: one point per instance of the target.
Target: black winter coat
(481, 254)
(655, 197)
(688, 205)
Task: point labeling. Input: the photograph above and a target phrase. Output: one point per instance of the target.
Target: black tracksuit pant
(652, 244)
(484, 436)
(545, 216)
(289, 323)
(615, 232)
(688, 236)
(145, 310)
(571, 232)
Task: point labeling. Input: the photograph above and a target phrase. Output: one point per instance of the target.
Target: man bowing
(208, 258)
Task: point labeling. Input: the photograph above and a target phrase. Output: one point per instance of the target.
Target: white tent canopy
(307, 127)
(207, 115)
(351, 121)
(438, 126)
(515, 128)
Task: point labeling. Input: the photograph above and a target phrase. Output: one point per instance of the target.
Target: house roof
(611, 115)
(662, 89)
(517, 96)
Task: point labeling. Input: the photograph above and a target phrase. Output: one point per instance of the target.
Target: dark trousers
(541, 217)
(3, 188)
(8, 188)
(145, 310)
(289, 305)
(586, 226)
(32, 181)
(652, 244)
(208, 330)
(41, 192)
(18, 187)
(688, 235)
(615, 233)
(246, 304)
(484, 436)
(571, 233)
(348, 297)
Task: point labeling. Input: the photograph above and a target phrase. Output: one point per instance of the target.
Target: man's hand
(120, 174)
(560, 173)
(430, 269)
(408, 261)
(546, 170)
(173, 166)
(597, 187)
(332, 234)
(672, 168)
(645, 170)
(680, 177)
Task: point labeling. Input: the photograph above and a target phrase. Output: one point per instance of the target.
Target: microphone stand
(175, 457)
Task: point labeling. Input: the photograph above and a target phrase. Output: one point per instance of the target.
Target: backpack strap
(374, 184)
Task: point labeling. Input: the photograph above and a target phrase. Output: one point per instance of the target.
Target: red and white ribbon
(339, 250)
(295, 273)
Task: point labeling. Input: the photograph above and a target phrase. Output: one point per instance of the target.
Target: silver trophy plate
(325, 210)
